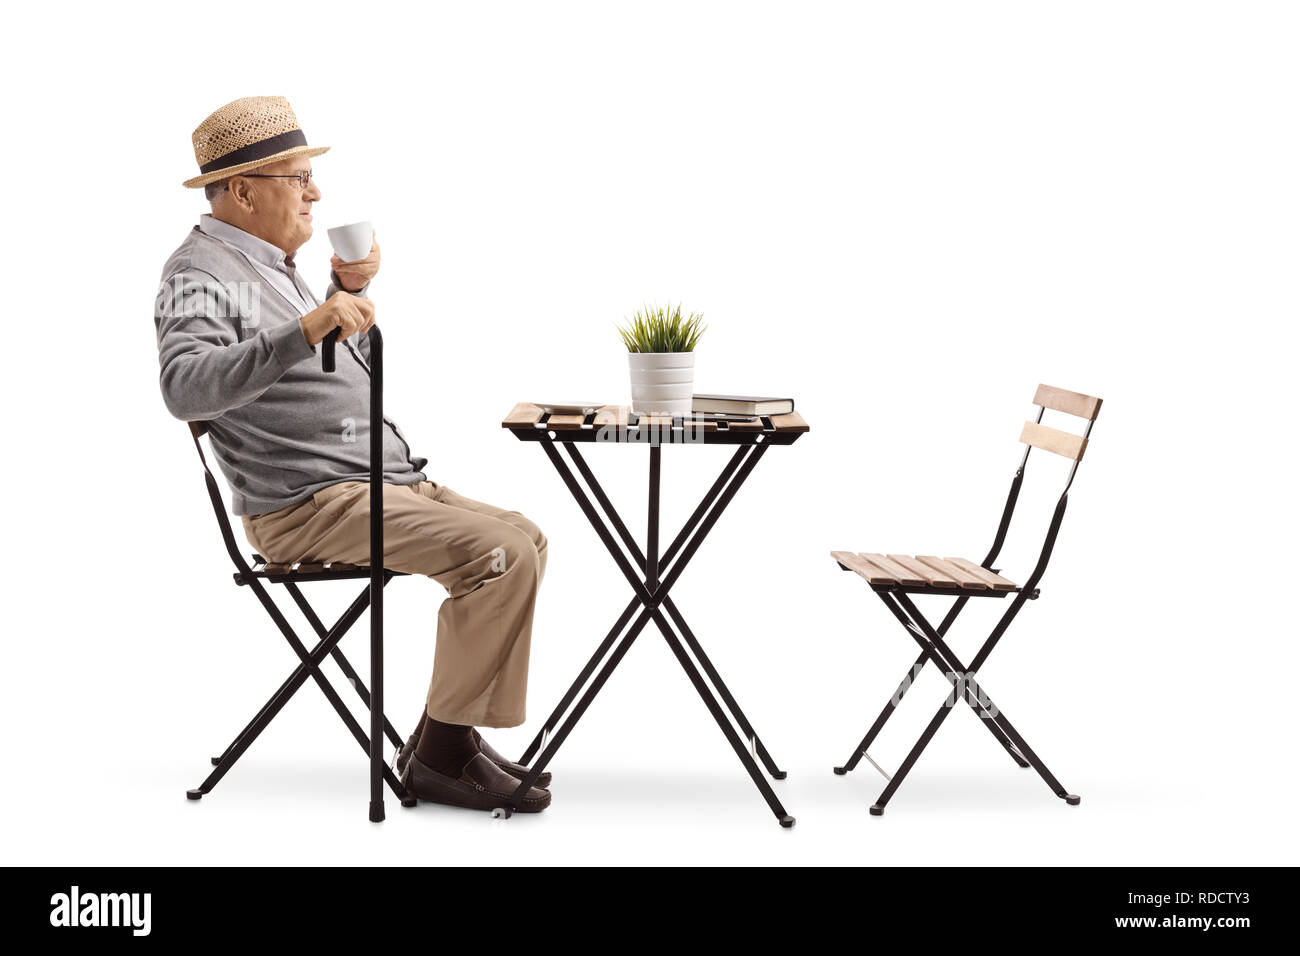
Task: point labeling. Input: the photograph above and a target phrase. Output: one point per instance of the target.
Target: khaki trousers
(490, 560)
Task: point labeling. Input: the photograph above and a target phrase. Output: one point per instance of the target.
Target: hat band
(255, 151)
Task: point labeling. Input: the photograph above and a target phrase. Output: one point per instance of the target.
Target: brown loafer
(518, 771)
(482, 785)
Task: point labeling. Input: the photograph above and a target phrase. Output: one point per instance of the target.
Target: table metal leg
(571, 721)
(755, 773)
(742, 721)
(578, 684)
(629, 542)
(571, 694)
(651, 594)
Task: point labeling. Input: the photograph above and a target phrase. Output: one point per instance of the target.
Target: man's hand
(355, 276)
(342, 311)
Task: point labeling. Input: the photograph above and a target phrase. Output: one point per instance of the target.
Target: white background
(904, 215)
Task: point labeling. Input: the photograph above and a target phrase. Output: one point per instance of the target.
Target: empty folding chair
(896, 577)
(253, 576)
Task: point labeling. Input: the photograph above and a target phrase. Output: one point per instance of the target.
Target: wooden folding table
(650, 574)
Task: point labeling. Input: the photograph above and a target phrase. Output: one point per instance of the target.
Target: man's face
(281, 207)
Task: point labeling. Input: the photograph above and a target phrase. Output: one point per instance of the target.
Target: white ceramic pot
(662, 382)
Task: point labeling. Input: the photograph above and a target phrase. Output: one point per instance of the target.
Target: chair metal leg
(918, 629)
(964, 686)
(216, 761)
(292, 638)
(308, 662)
(900, 775)
(994, 714)
(892, 704)
(281, 697)
(343, 663)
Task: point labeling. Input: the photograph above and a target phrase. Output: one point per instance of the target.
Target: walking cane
(376, 558)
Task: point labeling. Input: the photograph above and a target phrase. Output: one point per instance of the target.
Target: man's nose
(313, 192)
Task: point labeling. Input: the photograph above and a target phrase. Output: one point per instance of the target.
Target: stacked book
(744, 407)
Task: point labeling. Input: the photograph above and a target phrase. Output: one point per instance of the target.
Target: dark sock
(419, 728)
(445, 748)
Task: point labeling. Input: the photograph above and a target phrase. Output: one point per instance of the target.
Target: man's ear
(241, 190)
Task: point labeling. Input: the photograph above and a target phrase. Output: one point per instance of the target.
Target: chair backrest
(197, 431)
(1053, 439)
(1067, 444)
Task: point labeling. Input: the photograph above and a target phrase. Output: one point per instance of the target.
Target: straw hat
(245, 134)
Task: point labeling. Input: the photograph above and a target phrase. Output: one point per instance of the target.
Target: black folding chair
(895, 577)
(309, 662)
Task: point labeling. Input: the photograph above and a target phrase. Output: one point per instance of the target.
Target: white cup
(352, 243)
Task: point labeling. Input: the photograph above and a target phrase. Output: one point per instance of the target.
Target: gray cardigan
(232, 353)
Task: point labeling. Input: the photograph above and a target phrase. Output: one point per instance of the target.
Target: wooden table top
(618, 423)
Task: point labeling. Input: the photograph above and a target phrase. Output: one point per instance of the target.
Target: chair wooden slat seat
(924, 572)
(855, 562)
(305, 569)
(996, 581)
(895, 570)
(935, 577)
(963, 578)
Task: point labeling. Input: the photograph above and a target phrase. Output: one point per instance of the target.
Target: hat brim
(229, 171)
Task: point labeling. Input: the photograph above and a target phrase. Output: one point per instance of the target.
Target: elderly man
(237, 335)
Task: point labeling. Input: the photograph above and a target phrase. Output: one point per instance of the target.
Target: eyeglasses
(304, 177)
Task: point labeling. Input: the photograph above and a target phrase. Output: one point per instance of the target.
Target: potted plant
(661, 358)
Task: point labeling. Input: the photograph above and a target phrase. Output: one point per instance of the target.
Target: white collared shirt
(269, 261)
